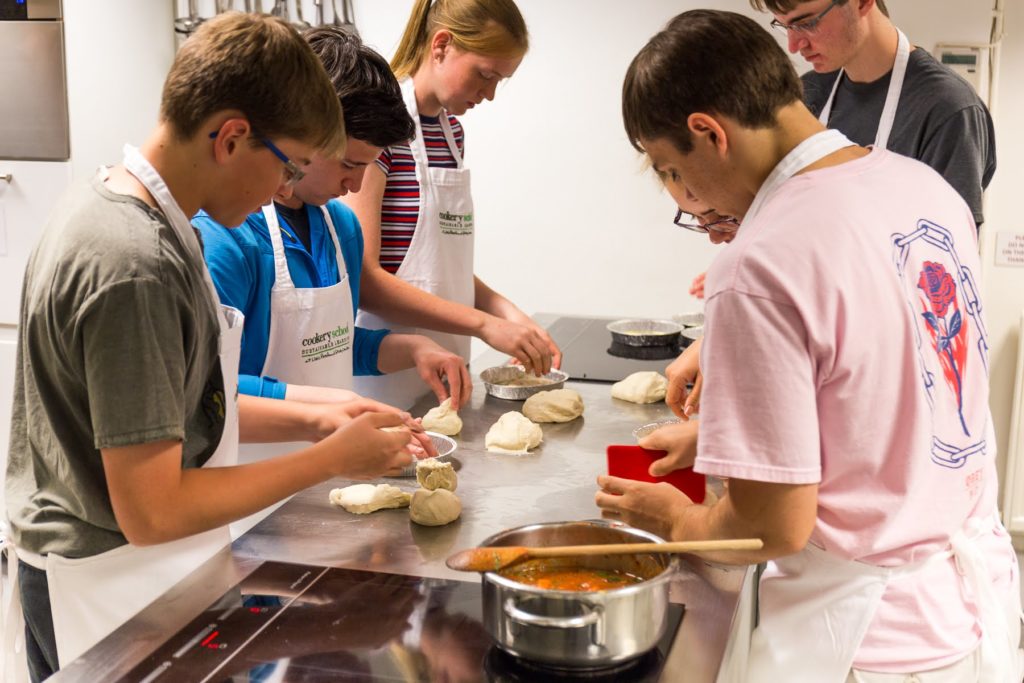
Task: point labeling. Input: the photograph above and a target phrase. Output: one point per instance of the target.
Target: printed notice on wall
(1010, 249)
(3, 231)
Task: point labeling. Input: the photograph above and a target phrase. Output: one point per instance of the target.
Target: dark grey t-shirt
(940, 120)
(117, 346)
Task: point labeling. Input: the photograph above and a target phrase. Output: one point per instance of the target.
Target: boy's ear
(232, 132)
(705, 128)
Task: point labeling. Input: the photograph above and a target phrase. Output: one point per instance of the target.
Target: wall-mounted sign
(1010, 249)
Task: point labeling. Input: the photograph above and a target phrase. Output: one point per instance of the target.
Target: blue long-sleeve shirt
(241, 262)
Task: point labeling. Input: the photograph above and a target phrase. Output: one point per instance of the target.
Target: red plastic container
(633, 462)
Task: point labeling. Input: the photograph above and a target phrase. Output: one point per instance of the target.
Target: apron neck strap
(892, 97)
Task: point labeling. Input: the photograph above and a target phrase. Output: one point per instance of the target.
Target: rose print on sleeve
(946, 328)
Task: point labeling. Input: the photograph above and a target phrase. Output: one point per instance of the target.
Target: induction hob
(301, 623)
(588, 352)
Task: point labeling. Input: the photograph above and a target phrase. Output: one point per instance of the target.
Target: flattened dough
(434, 508)
(443, 419)
(641, 387)
(513, 433)
(432, 474)
(558, 405)
(362, 499)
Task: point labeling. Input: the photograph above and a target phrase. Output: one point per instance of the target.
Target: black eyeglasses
(805, 26)
(293, 173)
(724, 224)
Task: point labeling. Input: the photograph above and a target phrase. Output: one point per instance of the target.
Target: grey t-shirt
(117, 346)
(940, 120)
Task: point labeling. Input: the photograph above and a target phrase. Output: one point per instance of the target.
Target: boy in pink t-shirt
(845, 376)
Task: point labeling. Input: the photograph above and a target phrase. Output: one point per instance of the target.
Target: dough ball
(362, 499)
(513, 433)
(559, 405)
(641, 387)
(443, 419)
(434, 508)
(432, 474)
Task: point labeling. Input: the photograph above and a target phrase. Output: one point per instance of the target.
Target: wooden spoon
(494, 558)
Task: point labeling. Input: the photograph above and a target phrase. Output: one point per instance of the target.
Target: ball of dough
(641, 387)
(434, 508)
(362, 499)
(443, 419)
(559, 405)
(513, 433)
(432, 474)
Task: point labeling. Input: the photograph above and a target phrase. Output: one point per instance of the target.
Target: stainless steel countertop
(554, 483)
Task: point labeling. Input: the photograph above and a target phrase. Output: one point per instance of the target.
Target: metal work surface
(554, 483)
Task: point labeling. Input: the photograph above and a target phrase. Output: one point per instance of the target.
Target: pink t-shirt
(845, 346)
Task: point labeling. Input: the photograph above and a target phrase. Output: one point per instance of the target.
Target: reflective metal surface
(34, 105)
(554, 483)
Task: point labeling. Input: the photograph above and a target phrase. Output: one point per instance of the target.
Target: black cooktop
(588, 352)
(301, 623)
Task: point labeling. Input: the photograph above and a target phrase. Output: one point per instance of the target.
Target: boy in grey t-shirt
(119, 391)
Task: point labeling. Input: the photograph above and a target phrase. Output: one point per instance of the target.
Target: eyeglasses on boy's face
(723, 224)
(806, 26)
(293, 173)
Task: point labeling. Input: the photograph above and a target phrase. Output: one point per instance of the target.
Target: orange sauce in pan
(583, 580)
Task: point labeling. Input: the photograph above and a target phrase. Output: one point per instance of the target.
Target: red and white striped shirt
(400, 208)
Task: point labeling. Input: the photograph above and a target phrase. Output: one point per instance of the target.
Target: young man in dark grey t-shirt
(119, 393)
(940, 120)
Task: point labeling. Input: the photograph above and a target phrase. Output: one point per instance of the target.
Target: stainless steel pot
(579, 629)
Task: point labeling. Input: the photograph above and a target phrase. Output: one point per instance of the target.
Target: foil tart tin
(495, 382)
(644, 430)
(638, 332)
(445, 446)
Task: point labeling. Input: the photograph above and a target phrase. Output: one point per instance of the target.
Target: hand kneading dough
(431, 474)
(443, 419)
(513, 433)
(363, 499)
(559, 405)
(641, 387)
(434, 508)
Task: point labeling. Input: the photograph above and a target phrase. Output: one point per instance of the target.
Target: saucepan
(574, 629)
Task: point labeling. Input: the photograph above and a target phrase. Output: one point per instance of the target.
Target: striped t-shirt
(400, 208)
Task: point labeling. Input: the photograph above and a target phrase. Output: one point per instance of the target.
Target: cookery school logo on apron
(326, 344)
(455, 223)
(949, 333)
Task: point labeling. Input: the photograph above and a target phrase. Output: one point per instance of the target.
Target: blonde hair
(488, 27)
(259, 65)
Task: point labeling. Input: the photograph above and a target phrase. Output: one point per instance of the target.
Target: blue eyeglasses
(293, 173)
(805, 26)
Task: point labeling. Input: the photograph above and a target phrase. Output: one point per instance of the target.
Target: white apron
(312, 330)
(892, 97)
(439, 260)
(816, 607)
(92, 596)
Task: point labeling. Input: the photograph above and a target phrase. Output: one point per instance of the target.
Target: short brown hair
(488, 27)
(706, 61)
(783, 6)
(259, 65)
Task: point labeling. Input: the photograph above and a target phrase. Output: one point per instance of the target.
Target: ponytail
(489, 27)
(414, 41)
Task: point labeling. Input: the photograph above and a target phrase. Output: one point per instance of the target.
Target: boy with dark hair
(845, 378)
(870, 83)
(295, 277)
(124, 433)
